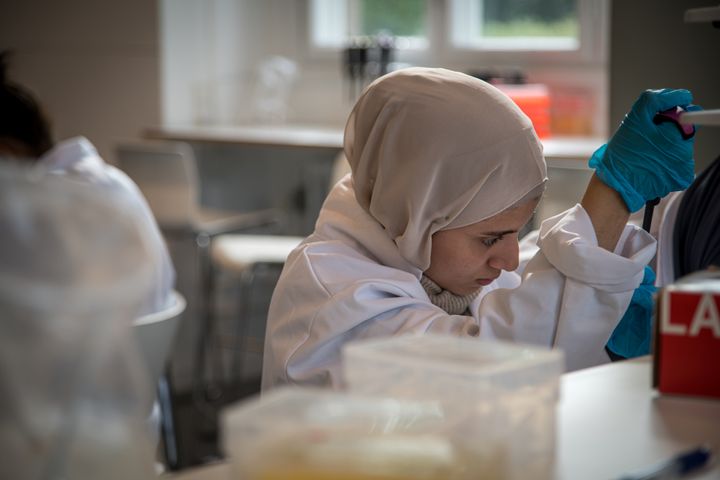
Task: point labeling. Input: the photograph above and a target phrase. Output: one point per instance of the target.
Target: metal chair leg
(167, 424)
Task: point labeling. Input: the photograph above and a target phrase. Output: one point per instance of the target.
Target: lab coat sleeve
(319, 305)
(573, 292)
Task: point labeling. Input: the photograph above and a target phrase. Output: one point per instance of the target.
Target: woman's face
(464, 259)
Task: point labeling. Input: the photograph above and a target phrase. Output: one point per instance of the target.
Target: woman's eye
(489, 242)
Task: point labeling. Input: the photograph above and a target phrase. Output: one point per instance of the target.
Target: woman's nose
(506, 256)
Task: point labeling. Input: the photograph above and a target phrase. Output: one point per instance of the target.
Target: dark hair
(696, 238)
(23, 123)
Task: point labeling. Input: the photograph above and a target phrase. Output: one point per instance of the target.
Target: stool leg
(167, 425)
(247, 279)
(207, 384)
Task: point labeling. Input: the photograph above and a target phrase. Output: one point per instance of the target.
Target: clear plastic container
(299, 434)
(499, 398)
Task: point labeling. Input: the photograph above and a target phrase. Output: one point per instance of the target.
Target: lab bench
(610, 422)
(327, 137)
(290, 167)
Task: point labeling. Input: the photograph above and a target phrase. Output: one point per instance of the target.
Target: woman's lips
(484, 281)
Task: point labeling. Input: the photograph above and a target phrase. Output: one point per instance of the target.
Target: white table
(610, 421)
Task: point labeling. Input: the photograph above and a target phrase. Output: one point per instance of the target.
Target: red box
(687, 337)
(534, 100)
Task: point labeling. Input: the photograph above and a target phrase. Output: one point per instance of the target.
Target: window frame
(414, 51)
(592, 48)
(465, 12)
(593, 18)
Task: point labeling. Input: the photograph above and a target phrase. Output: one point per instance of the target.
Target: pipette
(672, 115)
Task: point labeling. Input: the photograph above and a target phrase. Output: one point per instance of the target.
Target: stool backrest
(166, 173)
(155, 334)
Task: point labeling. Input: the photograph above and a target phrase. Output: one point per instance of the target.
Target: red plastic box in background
(534, 100)
(687, 337)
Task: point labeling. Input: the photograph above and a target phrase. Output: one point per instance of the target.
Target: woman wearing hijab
(422, 235)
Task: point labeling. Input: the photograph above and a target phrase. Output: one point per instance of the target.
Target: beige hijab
(432, 149)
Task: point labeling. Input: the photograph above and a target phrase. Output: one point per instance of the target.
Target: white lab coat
(77, 158)
(347, 281)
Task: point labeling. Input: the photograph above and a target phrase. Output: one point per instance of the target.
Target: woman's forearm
(607, 211)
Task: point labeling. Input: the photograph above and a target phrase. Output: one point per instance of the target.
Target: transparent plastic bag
(73, 268)
(275, 78)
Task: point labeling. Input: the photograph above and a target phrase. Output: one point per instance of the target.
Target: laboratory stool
(245, 257)
(167, 174)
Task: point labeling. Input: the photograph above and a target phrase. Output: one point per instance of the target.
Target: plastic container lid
(461, 409)
(469, 364)
(499, 398)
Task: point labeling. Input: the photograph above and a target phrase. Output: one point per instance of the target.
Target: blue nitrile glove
(631, 337)
(644, 161)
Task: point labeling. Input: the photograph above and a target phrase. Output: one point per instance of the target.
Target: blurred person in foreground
(26, 138)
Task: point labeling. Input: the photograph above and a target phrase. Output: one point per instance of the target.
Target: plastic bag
(73, 269)
(275, 78)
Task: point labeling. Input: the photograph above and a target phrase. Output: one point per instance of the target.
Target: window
(515, 24)
(404, 18)
(561, 44)
(563, 30)
(335, 22)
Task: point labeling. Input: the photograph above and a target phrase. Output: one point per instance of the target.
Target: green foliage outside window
(529, 18)
(500, 18)
(531, 28)
(401, 18)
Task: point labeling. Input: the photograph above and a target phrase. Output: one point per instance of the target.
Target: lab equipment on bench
(365, 59)
(294, 433)
(534, 100)
(356, 58)
(499, 397)
(687, 337)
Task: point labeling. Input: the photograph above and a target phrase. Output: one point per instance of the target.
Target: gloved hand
(644, 161)
(631, 337)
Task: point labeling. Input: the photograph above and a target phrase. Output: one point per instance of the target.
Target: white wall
(652, 47)
(211, 54)
(93, 64)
